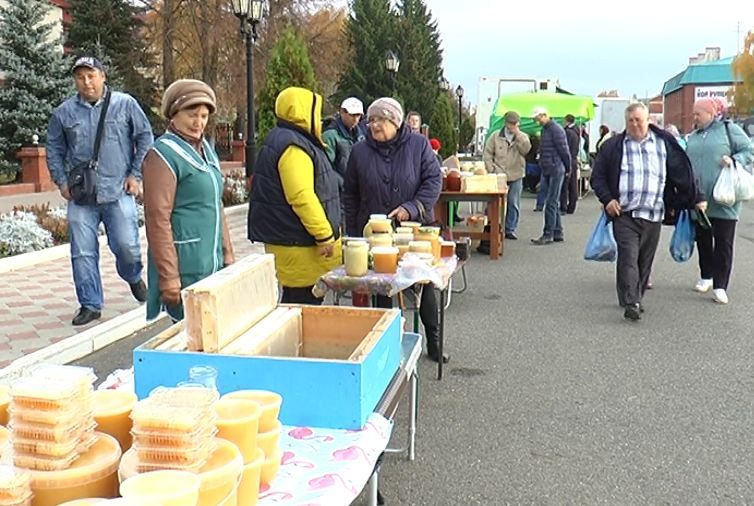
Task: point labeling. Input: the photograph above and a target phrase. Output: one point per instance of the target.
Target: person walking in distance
(125, 140)
(555, 162)
(569, 192)
(640, 176)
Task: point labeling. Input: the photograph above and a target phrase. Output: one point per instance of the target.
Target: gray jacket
(503, 157)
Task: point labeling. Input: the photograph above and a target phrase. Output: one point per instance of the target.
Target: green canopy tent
(557, 105)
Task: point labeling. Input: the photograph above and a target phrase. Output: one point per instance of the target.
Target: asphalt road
(552, 398)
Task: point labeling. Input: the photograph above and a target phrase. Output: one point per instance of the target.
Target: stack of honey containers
(51, 419)
(249, 418)
(174, 428)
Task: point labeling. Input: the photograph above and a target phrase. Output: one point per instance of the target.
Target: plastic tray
(39, 463)
(66, 416)
(145, 467)
(152, 417)
(46, 432)
(36, 392)
(173, 456)
(189, 396)
(173, 439)
(42, 448)
(64, 373)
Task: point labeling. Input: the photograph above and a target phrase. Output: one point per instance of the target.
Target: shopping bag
(682, 242)
(744, 184)
(724, 191)
(601, 246)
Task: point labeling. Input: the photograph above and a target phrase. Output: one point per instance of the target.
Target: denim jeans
(541, 194)
(513, 206)
(553, 227)
(121, 225)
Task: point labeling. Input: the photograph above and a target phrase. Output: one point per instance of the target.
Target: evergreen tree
(371, 32)
(288, 65)
(112, 31)
(418, 42)
(37, 78)
(444, 125)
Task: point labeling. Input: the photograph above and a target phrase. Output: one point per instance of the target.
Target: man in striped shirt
(641, 176)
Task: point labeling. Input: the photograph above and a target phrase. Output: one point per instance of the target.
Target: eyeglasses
(376, 121)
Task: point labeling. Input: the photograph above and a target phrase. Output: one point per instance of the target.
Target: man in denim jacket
(126, 138)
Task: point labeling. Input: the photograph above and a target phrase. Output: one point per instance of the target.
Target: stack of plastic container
(51, 419)
(15, 487)
(174, 428)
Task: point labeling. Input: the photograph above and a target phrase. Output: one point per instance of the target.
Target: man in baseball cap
(343, 132)
(88, 62)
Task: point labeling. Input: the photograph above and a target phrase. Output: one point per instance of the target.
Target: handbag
(82, 179)
(601, 246)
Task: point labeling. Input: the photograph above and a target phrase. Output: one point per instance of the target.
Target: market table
(494, 201)
(389, 285)
(328, 467)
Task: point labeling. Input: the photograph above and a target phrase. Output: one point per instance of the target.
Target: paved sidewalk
(7, 203)
(38, 302)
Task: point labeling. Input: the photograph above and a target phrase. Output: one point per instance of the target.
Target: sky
(589, 46)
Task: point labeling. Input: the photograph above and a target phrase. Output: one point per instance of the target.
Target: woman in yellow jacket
(294, 206)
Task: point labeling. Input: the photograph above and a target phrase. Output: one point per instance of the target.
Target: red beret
(435, 144)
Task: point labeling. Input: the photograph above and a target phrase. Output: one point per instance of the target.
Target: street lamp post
(249, 13)
(459, 93)
(392, 62)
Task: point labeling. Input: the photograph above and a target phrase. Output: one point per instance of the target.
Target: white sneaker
(719, 295)
(703, 285)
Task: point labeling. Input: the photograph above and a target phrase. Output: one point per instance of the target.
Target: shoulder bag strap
(100, 128)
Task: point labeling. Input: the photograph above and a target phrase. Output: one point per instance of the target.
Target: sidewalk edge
(80, 345)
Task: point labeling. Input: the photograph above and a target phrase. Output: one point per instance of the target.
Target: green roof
(714, 72)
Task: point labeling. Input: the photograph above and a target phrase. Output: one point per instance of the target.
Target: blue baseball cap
(89, 62)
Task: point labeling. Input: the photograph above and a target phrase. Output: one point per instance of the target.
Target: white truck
(608, 111)
(490, 88)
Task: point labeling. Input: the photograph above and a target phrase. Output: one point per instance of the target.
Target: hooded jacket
(382, 176)
(294, 205)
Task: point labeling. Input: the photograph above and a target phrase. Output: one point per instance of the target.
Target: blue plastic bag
(682, 242)
(601, 246)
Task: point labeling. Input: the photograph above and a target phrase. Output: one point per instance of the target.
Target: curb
(80, 345)
(16, 262)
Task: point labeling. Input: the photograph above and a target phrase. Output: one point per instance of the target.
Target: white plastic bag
(744, 184)
(724, 192)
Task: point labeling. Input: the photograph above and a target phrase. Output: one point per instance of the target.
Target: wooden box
(331, 364)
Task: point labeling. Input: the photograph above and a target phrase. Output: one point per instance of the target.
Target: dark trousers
(300, 295)
(428, 313)
(637, 243)
(569, 192)
(716, 251)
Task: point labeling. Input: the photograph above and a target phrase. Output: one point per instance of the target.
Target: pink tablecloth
(326, 467)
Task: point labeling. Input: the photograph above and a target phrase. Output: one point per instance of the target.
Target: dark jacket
(339, 142)
(384, 175)
(554, 157)
(574, 141)
(681, 189)
(271, 218)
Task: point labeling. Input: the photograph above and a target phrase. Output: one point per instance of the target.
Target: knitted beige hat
(387, 108)
(187, 93)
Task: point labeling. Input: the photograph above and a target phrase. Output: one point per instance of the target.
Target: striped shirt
(642, 177)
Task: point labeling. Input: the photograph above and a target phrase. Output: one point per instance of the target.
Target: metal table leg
(441, 346)
(412, 408)
(372, 488)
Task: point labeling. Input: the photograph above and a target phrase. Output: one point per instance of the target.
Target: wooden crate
(331, 364)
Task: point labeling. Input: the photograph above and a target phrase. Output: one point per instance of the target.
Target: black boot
(433, 349)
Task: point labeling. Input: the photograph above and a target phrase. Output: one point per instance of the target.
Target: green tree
(467, 128)
(113, 31)
(743, 69)
(370, 32)
(418, 42)
(37, 78)
(444, 126)
(288, 65)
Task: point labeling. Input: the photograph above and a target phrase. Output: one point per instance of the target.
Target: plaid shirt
(642, 177)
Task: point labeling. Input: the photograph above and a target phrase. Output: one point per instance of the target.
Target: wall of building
(679, 107)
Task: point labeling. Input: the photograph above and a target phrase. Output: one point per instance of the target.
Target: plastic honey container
(447, 249)
(248, 489)
(270, 467)
(4, 436)
(4, 402)
(268, 441)
(385, 259)
(378, 224)
(420, 247)
(413, 225)
(269, 401)
(112, 410)
(238, 422)
(93, 474)
(377, 240)
(168, 486)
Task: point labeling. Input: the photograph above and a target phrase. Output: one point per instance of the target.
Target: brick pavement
(38, 302)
